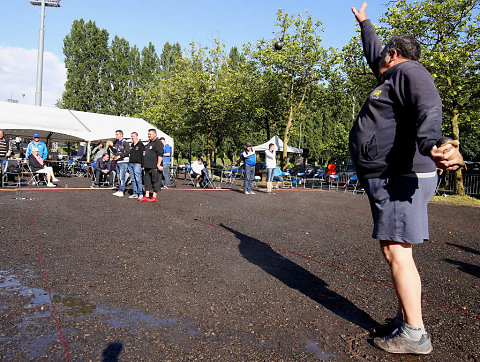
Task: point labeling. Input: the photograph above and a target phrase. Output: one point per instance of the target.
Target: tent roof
(65, 125)
(279, 144)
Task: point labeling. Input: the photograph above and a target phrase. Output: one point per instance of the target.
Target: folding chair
(287, 180)
(172, 179)
(255, 180)
(333, 179)
(69, 168)
(352, 183)
(81, 169)
(209, 181)
(318, 177)
(35, 178)
(190, 179)
(300, 178)
(103, 178)
(10, 168)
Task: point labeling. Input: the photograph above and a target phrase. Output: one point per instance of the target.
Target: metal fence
(471, 183)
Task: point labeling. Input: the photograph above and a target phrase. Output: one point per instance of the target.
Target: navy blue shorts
(399, 207)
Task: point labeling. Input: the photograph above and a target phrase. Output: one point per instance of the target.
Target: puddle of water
(313, 347)
(77, 307)
(74, 306)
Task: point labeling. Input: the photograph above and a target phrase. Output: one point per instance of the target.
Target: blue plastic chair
(333, 179)
(6, 172)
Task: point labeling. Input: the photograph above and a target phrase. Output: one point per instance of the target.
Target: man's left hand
(441, 159)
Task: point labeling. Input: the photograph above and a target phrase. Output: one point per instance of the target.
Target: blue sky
(141, 22)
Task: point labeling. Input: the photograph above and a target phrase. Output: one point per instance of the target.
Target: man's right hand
(361, 14)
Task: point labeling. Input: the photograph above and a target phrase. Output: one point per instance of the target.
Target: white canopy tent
(55, 124)
(279, 144)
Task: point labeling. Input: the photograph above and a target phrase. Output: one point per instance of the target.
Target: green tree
(86, 59)
(125, 70)
(170, 54)
(299, 65)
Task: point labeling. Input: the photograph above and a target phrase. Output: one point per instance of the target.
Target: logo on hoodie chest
(376, 93)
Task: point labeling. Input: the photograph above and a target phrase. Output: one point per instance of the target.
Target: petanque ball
(278, 45)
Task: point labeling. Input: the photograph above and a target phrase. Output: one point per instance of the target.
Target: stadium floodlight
(51, 3)
(41, 36)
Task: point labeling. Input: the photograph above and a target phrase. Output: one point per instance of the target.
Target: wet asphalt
(219, 275)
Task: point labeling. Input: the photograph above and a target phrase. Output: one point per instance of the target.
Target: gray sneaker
(397, 344)
(391, 326)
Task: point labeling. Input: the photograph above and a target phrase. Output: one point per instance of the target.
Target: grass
(457, 200)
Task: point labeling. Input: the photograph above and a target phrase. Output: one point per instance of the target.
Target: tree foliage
(213, 101)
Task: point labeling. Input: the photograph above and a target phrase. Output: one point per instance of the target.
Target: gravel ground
(218, 275)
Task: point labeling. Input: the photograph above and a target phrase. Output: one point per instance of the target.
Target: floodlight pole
(41, 36)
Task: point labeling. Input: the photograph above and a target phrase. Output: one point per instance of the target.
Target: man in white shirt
(198, 170)
(271, 160)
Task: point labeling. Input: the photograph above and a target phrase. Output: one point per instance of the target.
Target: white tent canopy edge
(279, 144)
(57, 124)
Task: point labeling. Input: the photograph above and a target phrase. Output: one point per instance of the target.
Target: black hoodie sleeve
(425, 105)
(372, 47)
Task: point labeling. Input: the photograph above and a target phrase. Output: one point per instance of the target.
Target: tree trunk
(209, 154)
(293, 111)
(459, 188)
(286, 136)
(267, 127)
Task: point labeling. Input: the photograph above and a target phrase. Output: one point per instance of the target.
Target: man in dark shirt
(4, 145)
(122, 152)
(392, 145)
(152, 164)
(103, 167)
(135, 166)
(4, 151)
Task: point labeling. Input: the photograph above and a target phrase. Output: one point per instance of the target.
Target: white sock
(411, 332)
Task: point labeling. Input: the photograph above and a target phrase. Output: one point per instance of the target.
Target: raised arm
(372, 47)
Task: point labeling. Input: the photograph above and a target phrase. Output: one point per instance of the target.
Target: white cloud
(18, 76)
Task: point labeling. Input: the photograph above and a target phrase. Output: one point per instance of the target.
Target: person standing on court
(135, 166)
(271, 161)
(250, 159)
(152, 164)
(5, 151)
(392, 144)
(122, 153)
(167, 154)
(42, 147)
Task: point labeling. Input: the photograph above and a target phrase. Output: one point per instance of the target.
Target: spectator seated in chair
(103, 167)
(277, 176)
(37, 164)
(199, 172)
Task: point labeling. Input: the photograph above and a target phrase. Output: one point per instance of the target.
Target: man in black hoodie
(122, 152)
(392, 145)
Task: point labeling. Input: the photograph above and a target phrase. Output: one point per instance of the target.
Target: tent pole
(88, 151)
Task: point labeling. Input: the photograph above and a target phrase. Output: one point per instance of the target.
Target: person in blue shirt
(277, 176)
(42, 147)
(250, 159)
(167, 154)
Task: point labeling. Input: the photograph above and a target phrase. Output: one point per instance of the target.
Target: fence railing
(471, 183)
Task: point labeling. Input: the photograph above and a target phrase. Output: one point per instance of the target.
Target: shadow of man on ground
(465, 267)
(112, 352)
(296, 277)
